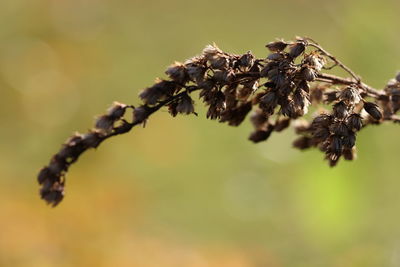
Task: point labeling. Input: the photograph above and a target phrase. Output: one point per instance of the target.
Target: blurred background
(186, 191)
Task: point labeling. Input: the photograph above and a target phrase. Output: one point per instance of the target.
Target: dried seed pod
(151, 95)
(46, 174)
(172, 109)
(354, 122)
(373, 110)
(339, 128)
(92, 139)
(303, 142)
(243, 93)
(157, 92)
(259, 119)
(268, 102)
(281, 124)
(105, 123)
(349, 153)
(117, 110)
(340, 110)
(304, 85)
(178, 73)
(235, 116)
(316, 95)
(196, 72)
(211, 50)
(288, 108)
(141, 113)
(320, 134)
(322, 120)
(54, 194)
(185, 105)
(349, 140)
(268, 67)
(301, 101)
(276, 56)
(309, 74)
(301, 126)
(316, 61)
(297, 49)
(219, 62)
(350, 95)
(333, 159)
(286, 88)
(223, 76)
(331, 96)
(260, 135)
(276, 46)
(336, 144)
(246, 60)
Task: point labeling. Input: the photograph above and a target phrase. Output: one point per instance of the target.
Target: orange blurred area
(185, 191)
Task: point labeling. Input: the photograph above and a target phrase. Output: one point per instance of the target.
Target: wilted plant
(277, 89)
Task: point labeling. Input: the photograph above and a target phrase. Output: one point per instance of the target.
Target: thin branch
(334, 59)
(324, 77)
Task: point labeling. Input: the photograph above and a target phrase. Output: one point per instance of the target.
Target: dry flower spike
(278, 89)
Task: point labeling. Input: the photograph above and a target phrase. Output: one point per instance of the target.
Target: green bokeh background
(186, 191)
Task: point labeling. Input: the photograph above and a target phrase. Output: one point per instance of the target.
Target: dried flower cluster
(278, 90)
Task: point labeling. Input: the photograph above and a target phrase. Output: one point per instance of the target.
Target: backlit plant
(276, 91)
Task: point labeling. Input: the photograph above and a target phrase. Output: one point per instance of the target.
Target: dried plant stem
(338, 62)
(333, 79)
(277, 89)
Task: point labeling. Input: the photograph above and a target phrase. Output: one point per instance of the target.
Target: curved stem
(334, 59)
(323, 77)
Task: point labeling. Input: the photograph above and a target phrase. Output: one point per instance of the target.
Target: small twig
(344, 81)
(334, 59)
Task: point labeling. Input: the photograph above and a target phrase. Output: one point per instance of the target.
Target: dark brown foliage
(277, 89)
